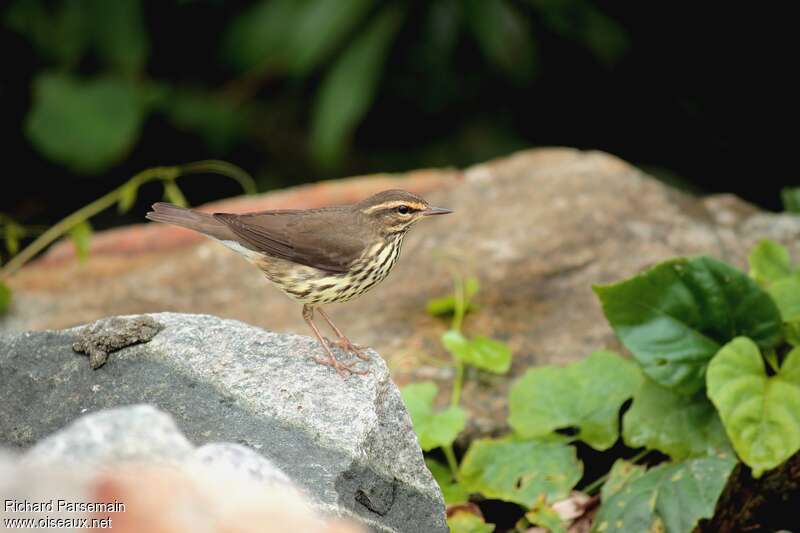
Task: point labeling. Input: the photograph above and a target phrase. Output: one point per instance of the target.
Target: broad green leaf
(503, 35)
(81, 235)
(127, 197)
(5, 297)
(349, 87)
(480, 352)
(453, 491)
(87, 125)
(174, 194)
(520, 471)
(622, 473)
(587, 395)
(433, 428)
(791, 332)
(447, 304)
(257, 38)
(670, 497)
(675, 316)
(57, 31)
(545, 516)
(678, 425)
(466, 522)
(320, 29)
(761, 413)
(791, 199)
(786, 293)
(218, 119)
(119, 34)
(584, 23)
(769, 261)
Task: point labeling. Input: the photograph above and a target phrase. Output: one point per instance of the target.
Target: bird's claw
(341, 368)
(344, 343)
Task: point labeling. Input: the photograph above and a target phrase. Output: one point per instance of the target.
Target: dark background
(697, 93)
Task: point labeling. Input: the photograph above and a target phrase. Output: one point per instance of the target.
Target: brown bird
(316, 256)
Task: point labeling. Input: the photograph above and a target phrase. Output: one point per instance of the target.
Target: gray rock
(348, 442)
(242, 460)
(139, 432)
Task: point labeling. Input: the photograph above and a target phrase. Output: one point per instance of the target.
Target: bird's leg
(343, 342)
(308, 316)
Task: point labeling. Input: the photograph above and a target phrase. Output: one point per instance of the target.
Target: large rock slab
(538, 228)
(346, 441)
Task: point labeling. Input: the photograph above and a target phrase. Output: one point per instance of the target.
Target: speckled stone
(346, 441)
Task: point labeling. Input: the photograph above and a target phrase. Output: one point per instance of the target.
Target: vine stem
(458, 383)
(592, 487)
(451, 460)
(57, 230)
(109, 199)
(458, 319)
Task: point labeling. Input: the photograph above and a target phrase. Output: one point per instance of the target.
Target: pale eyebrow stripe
(393, 203)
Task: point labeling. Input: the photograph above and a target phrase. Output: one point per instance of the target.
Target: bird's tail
(188, 218)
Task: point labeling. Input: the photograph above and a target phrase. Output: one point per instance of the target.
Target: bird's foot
(343, 369)
(345, 344)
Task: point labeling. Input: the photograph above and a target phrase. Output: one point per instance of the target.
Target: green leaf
(480, 352)
(678, 425)
(761, 414)
(504, 36)
(120, 37)
(545, 516)
(622, 473)
(257, 37)
(453, 491)
(791, 332)
(87, 125)
(320, 29)
(5, 297)
(447, 304)
(127, 196)
(349, 87)
(218, 119)
(59, 32)
(466, 522)
(173, 193)
(520, 471)
(675, 316)
(81, 235)
(584, 23)
(786, 293)
(670, 497)
(769, 261)
(13, 233)
(587, 395)
(434, 429)
(791, 199)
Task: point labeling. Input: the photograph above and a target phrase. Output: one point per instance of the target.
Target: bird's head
(395, 211)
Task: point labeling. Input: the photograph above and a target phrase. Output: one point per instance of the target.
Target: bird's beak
(436, 211)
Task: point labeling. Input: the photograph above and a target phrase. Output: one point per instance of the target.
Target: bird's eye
(403, 209)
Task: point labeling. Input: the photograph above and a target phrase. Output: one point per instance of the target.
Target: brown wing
(320, 239)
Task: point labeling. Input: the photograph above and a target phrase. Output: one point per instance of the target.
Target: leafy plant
(77, 226)
(714, 375)
(439, 429)
(94, 90)
(790, 197)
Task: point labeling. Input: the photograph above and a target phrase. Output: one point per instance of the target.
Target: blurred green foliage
(94, 89)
